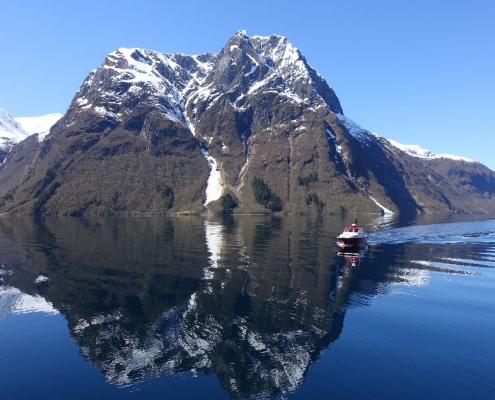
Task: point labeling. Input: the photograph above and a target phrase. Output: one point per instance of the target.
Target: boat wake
(459, 232)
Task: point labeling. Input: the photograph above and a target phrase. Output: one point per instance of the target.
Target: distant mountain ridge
(11, 132)
(417, 151)
(15, 130)
(251, 129)
(39, 125)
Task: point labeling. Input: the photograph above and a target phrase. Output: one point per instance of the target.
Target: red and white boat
(353, 236)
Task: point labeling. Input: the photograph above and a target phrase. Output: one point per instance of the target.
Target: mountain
(251, 129)
(472, 181)
(417, 151)
(15, 130)
(11, 132)
(39, 125)
(144, 298)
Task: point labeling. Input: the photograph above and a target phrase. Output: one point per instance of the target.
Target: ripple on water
(459, 232)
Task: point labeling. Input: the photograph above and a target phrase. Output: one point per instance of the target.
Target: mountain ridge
(151, 132)
(15, 130)
(11, 132)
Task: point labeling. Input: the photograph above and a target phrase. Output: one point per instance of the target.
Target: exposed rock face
(158, 133)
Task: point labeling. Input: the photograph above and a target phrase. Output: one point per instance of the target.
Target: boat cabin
(353, 228)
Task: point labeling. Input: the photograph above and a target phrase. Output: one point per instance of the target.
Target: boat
(353, 236)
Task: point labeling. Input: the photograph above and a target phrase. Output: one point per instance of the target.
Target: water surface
(246, 307)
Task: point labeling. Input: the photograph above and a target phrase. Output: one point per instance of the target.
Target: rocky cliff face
(253, 128)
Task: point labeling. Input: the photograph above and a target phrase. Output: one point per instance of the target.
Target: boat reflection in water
(254, 301)
(353, 255)
(245, 299)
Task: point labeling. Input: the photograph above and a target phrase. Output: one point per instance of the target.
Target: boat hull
(353, 236)
(352, 242)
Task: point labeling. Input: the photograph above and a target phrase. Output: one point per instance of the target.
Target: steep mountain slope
(253, 128)
(472, 182)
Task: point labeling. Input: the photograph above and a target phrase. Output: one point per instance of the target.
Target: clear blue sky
(419, 72)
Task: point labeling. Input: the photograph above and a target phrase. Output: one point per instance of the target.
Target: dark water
(246, 307)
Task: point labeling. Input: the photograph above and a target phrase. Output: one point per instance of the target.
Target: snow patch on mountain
(177, 81)
(253, 68)
(361, 134)
(15, 130)
(338, 149)
(385, 210)
(142, 70)
(289, 63)
(214, 186)
(40, 125)
(454, 157)
(11, 131)
(171, 80)
(419, 152)
(412, 149)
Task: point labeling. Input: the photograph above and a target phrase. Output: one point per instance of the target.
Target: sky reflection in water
(257, 303)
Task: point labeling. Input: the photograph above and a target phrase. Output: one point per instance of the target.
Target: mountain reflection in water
(252, 300)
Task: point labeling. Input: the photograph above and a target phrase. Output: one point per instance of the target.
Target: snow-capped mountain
(180, 84)
(15, 130)
(417, 151)
(11, 131)
(253, 128)
(40, 125)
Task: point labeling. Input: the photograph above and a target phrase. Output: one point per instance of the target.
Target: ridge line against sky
(416, 72)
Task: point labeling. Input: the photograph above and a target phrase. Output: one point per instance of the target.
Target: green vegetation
(50, 174)
(9, 196)
(306, 180)
(265, 196)
(314, 199)
(228, 203)
(45, 196)
(167, 194)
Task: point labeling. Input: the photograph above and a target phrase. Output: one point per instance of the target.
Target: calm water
(246, 307)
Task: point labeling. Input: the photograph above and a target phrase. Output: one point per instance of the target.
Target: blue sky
(419, 72)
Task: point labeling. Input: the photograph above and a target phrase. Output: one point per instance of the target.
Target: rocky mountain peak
(180, 84)
(294, 69)
(253, 128)
(238, 66)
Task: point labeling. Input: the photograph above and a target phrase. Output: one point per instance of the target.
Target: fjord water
(246, 307)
